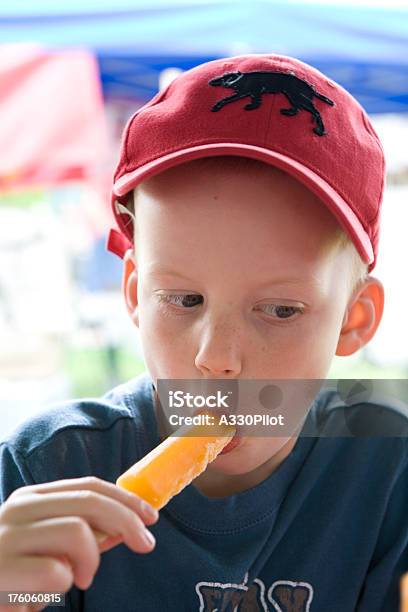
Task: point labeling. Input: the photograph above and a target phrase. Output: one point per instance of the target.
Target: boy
(233, 269)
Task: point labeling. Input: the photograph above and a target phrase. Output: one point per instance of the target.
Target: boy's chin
(234, 464)
(242, 460)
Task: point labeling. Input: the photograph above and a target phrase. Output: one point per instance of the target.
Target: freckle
(215, 197)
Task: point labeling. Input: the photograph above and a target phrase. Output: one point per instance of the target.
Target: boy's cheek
(167, 354)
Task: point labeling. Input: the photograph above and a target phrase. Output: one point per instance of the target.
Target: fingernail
(149, 511)
(149, 537)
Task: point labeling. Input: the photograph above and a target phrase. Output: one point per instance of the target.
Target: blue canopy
(363, 48)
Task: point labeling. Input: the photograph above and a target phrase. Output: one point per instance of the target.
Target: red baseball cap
(273, 108)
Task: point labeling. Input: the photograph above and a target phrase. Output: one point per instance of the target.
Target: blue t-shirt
(326, 532)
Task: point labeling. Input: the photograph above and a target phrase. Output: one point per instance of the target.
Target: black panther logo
(299, 93)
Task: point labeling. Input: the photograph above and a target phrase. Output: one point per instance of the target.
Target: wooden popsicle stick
(404, 593)
(100, 536)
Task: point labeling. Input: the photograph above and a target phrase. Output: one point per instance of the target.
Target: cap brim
(334, 202)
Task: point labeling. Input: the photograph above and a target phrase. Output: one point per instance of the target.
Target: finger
(104, 541)
(107, 542)
(101, 512)
(69, 537)
(132, 501)
(36, 573)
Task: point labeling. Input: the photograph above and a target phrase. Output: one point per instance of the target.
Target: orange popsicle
(174, 463)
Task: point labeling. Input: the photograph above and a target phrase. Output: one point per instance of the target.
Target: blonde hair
(338, 242)
(358, 268)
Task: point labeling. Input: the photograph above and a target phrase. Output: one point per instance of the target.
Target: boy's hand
(47, 542)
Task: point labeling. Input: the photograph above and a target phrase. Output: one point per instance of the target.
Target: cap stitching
(382, 190)
(125, 145)
(374, 136)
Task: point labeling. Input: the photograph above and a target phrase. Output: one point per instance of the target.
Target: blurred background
(70, 76)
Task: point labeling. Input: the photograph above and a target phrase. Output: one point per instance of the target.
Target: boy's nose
(219, 354)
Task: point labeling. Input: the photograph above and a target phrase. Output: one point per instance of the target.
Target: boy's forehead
(278, 243)
(252, 192)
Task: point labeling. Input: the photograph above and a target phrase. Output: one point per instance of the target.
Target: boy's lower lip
(231, 445)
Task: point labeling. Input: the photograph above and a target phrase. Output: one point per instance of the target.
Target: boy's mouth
(231, 445)
(236, 440)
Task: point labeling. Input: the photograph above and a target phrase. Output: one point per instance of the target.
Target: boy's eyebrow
(158, 270)
(285, 280)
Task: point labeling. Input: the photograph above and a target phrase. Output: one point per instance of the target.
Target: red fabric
(345, 166)
(117, 243)
(52, 117)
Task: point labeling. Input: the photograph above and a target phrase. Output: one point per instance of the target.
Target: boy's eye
(189, 300)
(282, 312)
(185, 300)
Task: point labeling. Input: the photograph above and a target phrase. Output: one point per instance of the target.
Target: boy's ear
(129, 285)
(362, 317)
